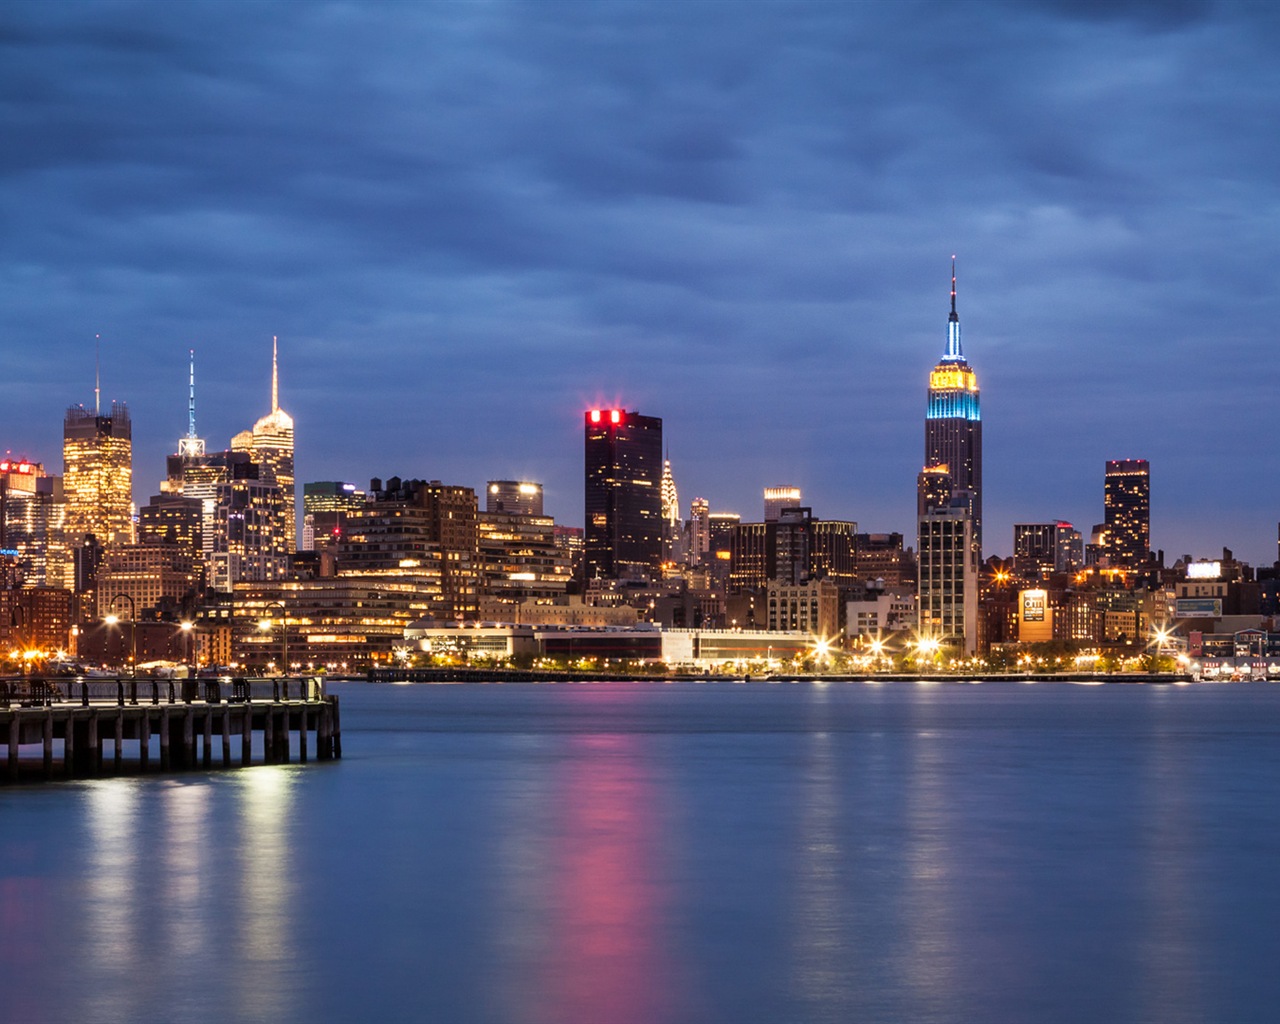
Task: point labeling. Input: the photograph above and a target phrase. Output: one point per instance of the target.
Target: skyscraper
(271, 444)
(778, 498)
(623, 494)
(1128, 511)
(97, 474)
(672, 539)
(518, 497)
(699, 531)
(948, 578)
(1041, 549)
(949, 497)
(953, 422)
(422, 531)
(32, 523)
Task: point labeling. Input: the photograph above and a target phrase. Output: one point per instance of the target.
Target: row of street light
(188, 629)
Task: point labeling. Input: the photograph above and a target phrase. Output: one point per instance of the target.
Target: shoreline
(476, 675)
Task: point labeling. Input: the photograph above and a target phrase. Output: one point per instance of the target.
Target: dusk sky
(468, 223)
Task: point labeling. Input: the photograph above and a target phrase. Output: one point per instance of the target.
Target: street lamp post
(1160, 637)
(188, 632)
(113, 619)
(265, 626)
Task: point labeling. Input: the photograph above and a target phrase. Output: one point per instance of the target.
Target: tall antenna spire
(191, 445)
(97, 375)
(954, 353)
(191, 397)
(275, 376)
(954, 315)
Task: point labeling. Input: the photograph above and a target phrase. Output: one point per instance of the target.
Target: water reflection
(929, 961)
(186, 844)
(862, 853)
(265, 853)
(112, 947)
(1171, 960)
(607, 956)
(824, 915)
(522, 865)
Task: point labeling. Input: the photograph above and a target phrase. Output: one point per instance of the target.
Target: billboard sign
(1204, 570)
(1198, 608)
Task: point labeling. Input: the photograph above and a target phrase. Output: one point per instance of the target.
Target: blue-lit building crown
(953, 386)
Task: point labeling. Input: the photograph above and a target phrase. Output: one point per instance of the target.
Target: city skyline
(733, 218)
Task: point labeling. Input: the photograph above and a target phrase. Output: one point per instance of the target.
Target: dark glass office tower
(953, 422)
(623, 526)
(1128, 507)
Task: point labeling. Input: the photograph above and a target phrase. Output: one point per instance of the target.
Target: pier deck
(77, 728)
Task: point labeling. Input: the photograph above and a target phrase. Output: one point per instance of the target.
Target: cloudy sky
(469, 222)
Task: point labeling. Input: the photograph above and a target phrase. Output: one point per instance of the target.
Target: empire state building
(953, 424)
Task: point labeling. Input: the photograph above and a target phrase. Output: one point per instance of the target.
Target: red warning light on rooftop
(613, 416)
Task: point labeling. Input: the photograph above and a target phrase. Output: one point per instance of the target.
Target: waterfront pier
(81, 727)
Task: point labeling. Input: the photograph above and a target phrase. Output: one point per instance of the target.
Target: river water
(649, 853)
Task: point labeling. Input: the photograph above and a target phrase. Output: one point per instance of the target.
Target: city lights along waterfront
(217, 573)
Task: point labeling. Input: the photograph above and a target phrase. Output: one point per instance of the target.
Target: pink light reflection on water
(609, 926)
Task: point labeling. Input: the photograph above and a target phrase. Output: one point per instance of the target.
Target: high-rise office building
(519, 558)
(97, 474)
(795, 548)
(325, 507)
(1128, 511)
(722, 529)
(673, 541)
(953, 422)
(421, 530)
(1040, 549)
(948, 579)
(623, 494)
(247, 542)
(933, 488)
(32, 524)
(699, 531)
(176, 520)
(517, 497)
(880, 559)
(670, 498)
(778, 498)
(271, 444)
(156, 576)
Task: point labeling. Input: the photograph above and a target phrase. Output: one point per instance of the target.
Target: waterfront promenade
(81, 727)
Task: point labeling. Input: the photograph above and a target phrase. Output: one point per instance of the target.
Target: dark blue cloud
(466, 222)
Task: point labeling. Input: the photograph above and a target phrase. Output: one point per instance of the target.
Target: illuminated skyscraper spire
(271, 444)
(275, 368)
(954, 352)
(191, 444)
(949, 497)
(953, 419)
(670, 499)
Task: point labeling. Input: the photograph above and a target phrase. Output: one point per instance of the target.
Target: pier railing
(75, 719)
(122, 690)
